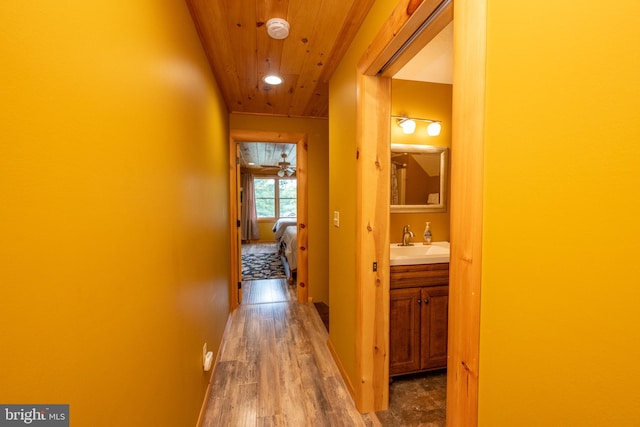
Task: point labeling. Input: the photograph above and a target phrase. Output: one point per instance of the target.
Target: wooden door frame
(237, 136)
(372, 344)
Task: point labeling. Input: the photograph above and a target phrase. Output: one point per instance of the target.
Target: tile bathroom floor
(416, 400)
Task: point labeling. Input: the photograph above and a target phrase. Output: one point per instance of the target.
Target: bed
(286, 233)
(281, 225)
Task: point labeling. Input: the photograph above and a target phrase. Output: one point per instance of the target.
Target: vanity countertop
(417, 253)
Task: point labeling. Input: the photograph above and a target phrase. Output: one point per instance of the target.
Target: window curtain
(249, 216)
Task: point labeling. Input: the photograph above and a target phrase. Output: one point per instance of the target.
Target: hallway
(275, 369)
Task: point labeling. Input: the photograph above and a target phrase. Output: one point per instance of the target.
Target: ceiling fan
(284, 167)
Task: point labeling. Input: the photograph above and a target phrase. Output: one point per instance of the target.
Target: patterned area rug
(262, 266)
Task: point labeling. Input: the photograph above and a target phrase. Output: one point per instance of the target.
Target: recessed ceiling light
(273, 79)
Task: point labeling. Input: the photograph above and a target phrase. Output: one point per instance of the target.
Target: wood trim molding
(343, 372)
(205, 401)
(235, 296)
(373, 158)
(405, 19)
(466, 211)
(302, 274)
(435, 27)
(302, 149)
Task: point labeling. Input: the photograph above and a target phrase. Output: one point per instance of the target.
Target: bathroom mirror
(418, 178)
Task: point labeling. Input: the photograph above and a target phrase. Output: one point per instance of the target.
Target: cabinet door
(434, 321)
(404, 330)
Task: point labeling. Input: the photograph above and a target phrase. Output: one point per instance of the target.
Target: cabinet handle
(426, 301)
(419, 301)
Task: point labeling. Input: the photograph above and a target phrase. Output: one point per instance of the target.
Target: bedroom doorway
(273, 239)
(268, 212)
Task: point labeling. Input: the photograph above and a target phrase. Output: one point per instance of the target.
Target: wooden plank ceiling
(264, 158)
(234, 36)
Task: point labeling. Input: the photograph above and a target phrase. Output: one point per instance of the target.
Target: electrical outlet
(204, 351)
(336, 219)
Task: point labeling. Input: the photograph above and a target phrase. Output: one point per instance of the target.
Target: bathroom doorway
(421, 89)
(466, 200)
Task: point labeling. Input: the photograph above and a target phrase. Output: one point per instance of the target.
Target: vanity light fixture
(408, 125)
(434, 128)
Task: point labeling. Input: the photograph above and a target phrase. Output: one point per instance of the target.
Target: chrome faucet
(406, 235)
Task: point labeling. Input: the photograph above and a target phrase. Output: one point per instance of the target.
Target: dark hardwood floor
(266, 291)
(274, 367)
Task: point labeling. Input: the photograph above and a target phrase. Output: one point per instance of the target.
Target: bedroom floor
(259, 248)
(267, 290)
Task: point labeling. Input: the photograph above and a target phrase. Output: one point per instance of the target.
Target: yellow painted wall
(560, 324)
(317, 131)
(342, 190)
(428, 101)
(266, 231)
(114, 255)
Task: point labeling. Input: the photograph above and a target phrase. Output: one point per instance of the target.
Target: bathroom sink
(418, 253)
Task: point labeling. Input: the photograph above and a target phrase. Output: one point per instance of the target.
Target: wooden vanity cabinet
(418, 318)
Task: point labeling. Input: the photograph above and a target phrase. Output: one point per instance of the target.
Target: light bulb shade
(281, 173)
(408, 126)
(434, 129)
